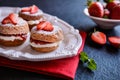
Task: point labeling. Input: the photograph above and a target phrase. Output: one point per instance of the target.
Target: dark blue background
(71, 11)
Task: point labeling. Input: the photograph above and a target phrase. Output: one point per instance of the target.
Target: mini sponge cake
(32, 14)
(13, 30)
(45, 37)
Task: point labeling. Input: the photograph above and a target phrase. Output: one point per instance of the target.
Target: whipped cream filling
(31, 22)
(11, 38)
(44, 45)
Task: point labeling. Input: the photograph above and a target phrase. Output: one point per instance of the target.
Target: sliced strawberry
(96, 9)
(6, 20)
(48, 27)
(11, 18)
(115, 41)
(26, 9)
(41, 25)
(45, 25)
(33, 9)
(99, 37)
(14, 18)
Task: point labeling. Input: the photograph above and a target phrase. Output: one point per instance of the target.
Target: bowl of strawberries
(105, 14)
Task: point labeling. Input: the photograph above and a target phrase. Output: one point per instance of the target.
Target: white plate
(68, 47)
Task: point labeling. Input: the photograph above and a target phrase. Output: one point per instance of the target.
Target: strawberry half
(26, 9)
(33, 9)
(48, 27)
(45, 25)
(96, 9)
(6, 20)
(11, 18)
(99, 37)
(14, 18)
(41, 25)
(115, 41)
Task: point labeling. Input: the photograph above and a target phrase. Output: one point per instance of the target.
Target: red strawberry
(45, 25)
(48, 27)
(6, 20)
(26, 9)
(96, 9)
(99, 37)
(41, 25)
(33, 9)
(13, 17)
(106, 13)
(111, 5)
(115, 13)
(115, 41)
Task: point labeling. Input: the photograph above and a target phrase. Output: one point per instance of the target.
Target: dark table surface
(71, 11)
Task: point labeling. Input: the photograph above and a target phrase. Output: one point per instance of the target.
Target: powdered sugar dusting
(40, 12)
(19, 22)
(55, 30)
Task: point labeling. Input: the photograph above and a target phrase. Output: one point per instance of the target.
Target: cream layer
(33, 44)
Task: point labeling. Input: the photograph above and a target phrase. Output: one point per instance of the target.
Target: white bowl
(102, 22)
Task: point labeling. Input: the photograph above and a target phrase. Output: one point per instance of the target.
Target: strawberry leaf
(107, 1)
(91, 64)
(89, 2)
(84, 57)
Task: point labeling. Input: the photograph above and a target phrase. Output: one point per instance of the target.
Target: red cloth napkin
(64, 68)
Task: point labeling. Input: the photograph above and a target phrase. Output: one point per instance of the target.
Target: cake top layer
(20, 21)
(45, 27)
(54, 31)
(11, 20)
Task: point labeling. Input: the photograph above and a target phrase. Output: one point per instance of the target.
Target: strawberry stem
(89, 2)
(94, 29)
(110, 0)
(107, 1)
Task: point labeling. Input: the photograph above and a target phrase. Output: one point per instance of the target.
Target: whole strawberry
(95, 8)
(115, 13)
(111, 4)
